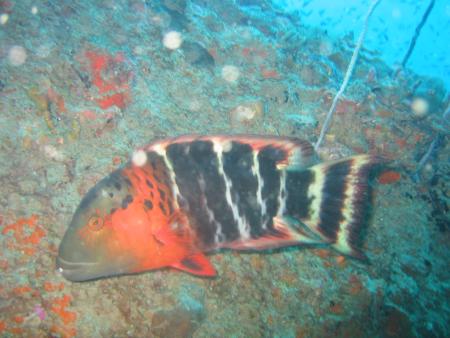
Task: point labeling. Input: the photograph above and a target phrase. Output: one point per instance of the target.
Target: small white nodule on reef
(230, 73)
(172, 40)
(420, 107)
(139, 158)
(246, 114)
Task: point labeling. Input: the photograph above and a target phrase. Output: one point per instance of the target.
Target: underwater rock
(339, 60)
(176, 10)
(176, 323)
(397, 323)
(246, 114)
(176, 5)
(197, 55)
(311, 75)
(434, 92)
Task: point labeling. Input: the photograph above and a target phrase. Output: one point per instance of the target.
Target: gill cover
(91, 247)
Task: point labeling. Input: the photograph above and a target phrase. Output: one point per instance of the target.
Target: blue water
(392, 27)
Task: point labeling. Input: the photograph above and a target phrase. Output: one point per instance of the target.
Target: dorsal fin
(290, 153)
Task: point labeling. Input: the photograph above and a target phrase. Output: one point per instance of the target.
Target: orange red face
(110, 233)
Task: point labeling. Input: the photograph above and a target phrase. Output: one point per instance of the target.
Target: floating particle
(230, 73)
(172, 40)
(420, 107)
(17, 55)
(139, 158)
(4, 18)
(34, 10)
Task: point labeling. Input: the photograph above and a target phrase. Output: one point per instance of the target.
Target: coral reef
(97, 82)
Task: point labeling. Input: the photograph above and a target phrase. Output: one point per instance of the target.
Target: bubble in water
(230, 73)
(17, 55)
(4, 18)
(420, 107)
(34, 10)
(139, 158)
(172, 40)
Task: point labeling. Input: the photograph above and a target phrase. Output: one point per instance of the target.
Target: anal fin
(286, 233)
(196, 264)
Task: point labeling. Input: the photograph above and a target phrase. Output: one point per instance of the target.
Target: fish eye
(95, 223)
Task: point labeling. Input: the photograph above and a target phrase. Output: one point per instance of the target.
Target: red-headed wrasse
(180, 198)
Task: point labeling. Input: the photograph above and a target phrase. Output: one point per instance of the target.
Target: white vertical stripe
(257, 173)
(219, 235)
(160, 150)
(243, 226)
(282, 194)
(316, 196)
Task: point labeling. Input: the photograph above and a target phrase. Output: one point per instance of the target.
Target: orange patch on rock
(59, 308)
(389, 177)
(402, 143)
(4, 264)
(269, 73)
(65, 332)
(112, 85)
(355, 285)
(50, 287)
(118, 99)
(340, 260)
(346, 107)
(322, 253)
(18, 319)
(23, 242)
(336, 308)
(20, 290)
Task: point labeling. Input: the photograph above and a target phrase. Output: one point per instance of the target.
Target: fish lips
(77, 272)
(87, 271)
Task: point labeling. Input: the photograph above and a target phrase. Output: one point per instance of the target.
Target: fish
(180, 199)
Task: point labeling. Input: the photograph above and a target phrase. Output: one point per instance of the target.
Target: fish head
(109, 232)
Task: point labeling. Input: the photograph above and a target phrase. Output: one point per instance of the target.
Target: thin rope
(347, 75)
(417, 33)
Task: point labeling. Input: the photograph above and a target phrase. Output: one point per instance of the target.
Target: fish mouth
(86, 271)
(77, 271)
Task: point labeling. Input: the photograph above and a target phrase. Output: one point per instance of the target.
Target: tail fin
(332, 200)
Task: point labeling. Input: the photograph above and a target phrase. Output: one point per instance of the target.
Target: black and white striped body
(248, 189)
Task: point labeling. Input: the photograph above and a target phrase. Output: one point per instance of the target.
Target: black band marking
(191, 163)
(333, 194)
(297, 202)
(237, 165)
(268, 158)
